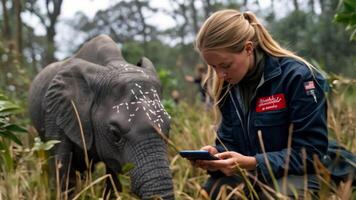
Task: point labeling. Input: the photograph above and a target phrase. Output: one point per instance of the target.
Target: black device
(197, 155)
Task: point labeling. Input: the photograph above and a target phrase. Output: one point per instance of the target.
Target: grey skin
(120, 111)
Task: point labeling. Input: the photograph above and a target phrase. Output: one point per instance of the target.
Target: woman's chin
(231, 81)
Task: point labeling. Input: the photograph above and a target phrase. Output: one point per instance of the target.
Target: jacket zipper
(246, 131)
(250, 107)
(242, 124)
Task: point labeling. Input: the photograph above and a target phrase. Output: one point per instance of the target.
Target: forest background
(322, 31)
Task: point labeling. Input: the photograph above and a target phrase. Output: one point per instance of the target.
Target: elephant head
(120, 112)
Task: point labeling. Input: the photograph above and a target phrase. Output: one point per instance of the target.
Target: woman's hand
(212, 150)
(228, 163)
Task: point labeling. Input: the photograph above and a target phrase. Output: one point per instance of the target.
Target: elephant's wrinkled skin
(120, 111)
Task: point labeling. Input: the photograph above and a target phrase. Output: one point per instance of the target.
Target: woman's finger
(224, 155)
(210, 149)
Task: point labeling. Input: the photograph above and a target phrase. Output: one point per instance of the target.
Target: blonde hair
(229, 30)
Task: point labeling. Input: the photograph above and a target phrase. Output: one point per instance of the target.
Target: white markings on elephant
(148, 101)
(130, 68)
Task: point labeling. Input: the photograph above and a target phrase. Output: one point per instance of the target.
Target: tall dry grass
(26, 174)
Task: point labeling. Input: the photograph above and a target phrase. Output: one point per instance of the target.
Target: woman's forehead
(216, 56)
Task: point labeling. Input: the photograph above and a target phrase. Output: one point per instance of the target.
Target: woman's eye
(225, 66)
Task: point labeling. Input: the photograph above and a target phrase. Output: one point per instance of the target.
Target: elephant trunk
(151, 176)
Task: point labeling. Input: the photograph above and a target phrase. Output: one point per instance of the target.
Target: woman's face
(230, 67)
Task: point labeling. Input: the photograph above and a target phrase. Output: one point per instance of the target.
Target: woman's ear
(249, 47)
(69, 98)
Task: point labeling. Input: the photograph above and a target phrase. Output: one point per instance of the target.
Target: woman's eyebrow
(223, 63)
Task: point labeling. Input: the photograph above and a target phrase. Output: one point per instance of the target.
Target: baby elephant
(102, 108)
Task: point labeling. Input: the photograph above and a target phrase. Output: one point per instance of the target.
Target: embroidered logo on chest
(269, 103)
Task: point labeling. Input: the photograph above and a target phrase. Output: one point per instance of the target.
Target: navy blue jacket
(289, 94)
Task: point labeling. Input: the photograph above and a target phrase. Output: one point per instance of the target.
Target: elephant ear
(100, 50)
(72, 84)
(146, 63)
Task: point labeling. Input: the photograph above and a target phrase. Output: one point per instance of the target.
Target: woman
(269, 99)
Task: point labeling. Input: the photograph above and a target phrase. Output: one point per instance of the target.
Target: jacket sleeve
(307, 106)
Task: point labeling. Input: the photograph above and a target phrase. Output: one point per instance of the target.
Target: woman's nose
(221, 74)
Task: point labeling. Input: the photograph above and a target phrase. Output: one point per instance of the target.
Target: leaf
(39, 145)
(11, 136)
(15, 128)
(353, 35)
(124, 181)
(50, 144)
(127, 167)
(351, 4)
(7, 108)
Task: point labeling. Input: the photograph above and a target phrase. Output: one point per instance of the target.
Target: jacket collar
(272, 67)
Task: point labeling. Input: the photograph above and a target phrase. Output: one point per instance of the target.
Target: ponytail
(267, 43)
(229, 30)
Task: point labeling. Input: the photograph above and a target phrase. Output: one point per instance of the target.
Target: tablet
(197, 155)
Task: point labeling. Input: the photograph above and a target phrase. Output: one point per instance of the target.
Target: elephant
(103, 109)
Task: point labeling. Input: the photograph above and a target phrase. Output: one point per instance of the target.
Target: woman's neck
(254, 69)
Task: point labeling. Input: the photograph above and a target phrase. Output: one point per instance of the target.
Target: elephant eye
(115, 131)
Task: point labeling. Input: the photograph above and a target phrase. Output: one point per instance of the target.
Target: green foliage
(347, 15)
(132, 52)
(169, 106)
(23, 170)
(39, 145)
(14, 78)
(167, 78)
(315, 37)
(342, 109)
(161, 55)
(8, 130)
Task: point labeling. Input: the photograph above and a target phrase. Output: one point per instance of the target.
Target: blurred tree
(296, 5)
(12, 35)
(140, 7)
(194, 17)
(124, 21)
(347, 15)
(15, 50)
(207, 8)
(312, 6)
(48, 19)
(315, 37)
(18, 10)
(6, 31)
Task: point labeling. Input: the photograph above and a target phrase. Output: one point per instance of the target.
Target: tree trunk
(51, 31)
(311, 5)
(143, 23)
(296, 5)
(182, 30)
(322, 5)
(51, 48)
(19, 46)
(181, 11)
(194, 17)
(6, 25)
(30, 41)
(207, 8)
